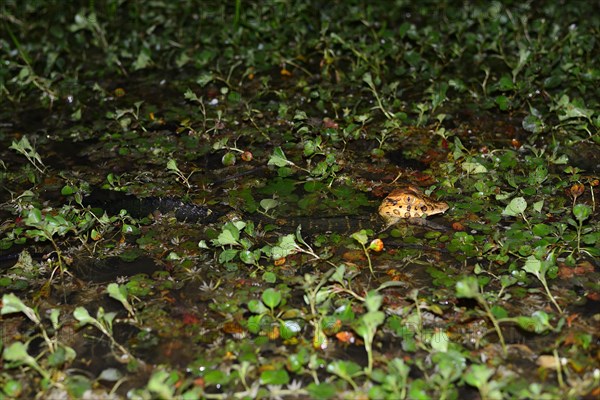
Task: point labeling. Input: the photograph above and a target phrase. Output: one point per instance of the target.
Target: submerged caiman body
(113, 202)
(406, 203)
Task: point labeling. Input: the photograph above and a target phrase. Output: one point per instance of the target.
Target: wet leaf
(289, 329)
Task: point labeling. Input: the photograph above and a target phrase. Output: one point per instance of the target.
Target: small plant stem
(368, 258)
(526, 221)
(350, 292)
(579, 229)
(385, 112)
(39, 369)
(369, 348)
(102, 329)
(488, 311)
(547, 289)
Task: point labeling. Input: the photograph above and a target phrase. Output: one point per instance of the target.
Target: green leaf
(249, 257)
(215, 377)
(117, 292)
(130, 229)
(361, 237)
(228, 159)
(271, 297)
(161, 384)
(172, 165)
(373, 301)
(229, 236)
(17, 352)
(367, 325)
(538, 205)
(440, 341)
(505, 83)
(274, 377)
(286, 246)
(269, 277)
(503, 102)
(254, 323)
(572, 109)
(516, 207)
(257, 307)
(12, 388)
(467, 287)
(582, 212)
(278, 158)
(34, 217)
(539, 175)
(533, 266)
(190, 95)
(12, 304)
(542, 229)
(227, 255)
(344, 369)
(67, 190)
(289, 329)
(478, 375)
(473, 168)
(499, 312)
(61, 356)
(268, 204)
(82, 315)
(322, 391)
